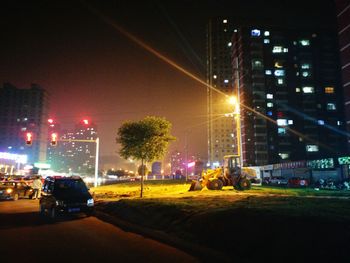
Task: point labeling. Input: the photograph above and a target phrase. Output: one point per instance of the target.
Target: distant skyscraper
(343, 16)
(291, 96)
(221, 139)
(24, 111)
(78, 156)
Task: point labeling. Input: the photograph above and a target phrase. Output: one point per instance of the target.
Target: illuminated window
(305, 66)
(311, 148)
(266, 41)
(339, 123)
(266, 33)
(256, 64)
(229, 44)
(269, 104)
(277, 49)
(224, 21)
(281, 131)
(279, 73)
(320, 122)
(269, 113)
(215, 77)
(331, 106)
(297, 89)
(268, 72)
(269, 96)
(306, 74)
(281, 122)
(280, 81)
(304, 42)
(226, 80)
(284, 155)
(290, 122)
(278, 64)
(329, 90)
(255, 33)
(285, 50)
(308, 89)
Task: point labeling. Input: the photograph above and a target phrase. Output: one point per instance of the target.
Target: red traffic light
(29, 138)
(53, 139)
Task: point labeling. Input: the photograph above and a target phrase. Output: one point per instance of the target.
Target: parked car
(278, 181)
(13, 190)
(65, 195)
(298, 182)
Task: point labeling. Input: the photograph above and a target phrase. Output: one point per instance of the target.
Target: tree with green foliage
(145, 140)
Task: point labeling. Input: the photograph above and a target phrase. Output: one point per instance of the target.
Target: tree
(145, 140)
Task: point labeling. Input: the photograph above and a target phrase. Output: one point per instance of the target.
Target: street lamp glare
(232, 100)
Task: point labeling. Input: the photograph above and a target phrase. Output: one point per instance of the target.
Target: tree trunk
(142, 175)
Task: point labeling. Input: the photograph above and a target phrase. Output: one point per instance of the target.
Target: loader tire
(215, 184)
(244, 184)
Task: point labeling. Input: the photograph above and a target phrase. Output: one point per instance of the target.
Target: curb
(204, 254)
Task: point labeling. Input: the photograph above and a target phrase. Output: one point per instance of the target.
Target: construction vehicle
(230, 175)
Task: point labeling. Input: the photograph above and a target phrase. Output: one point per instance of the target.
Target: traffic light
(53, 139)
(29, 138)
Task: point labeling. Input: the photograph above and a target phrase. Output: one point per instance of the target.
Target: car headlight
(9, 191)
(90, 202)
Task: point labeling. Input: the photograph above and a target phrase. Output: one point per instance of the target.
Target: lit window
(308, 89)
(257, 64)
(269, 96)
(279, 73)
(305, 74)
(281, 131)
(269, 113)
(297, 89)
(278, 64)
(304, 42)
(329, 90)
(215, 77)
(320, 122)
(224, 21)
(281, 122)
(277, 49)
(284, 155)
(280, 81)
(269, 104)
(268, 72)
(23, 129)
(305, 66)
(290, 122)
(255, 33)
(235, 30)
(226, 80)
(331, 106)
(229, 44)
(266, 33)
(285, 50)
(311, 148)
(266, 41)
(339, 123)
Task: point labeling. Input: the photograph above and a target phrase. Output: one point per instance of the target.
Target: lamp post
(233, 100)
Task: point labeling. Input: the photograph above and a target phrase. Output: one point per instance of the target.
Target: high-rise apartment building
(78, 155)
(343, 17)
(24, 111)
(291, 96)
(221, 140)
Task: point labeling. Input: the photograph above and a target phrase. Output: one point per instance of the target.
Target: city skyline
(91, 70)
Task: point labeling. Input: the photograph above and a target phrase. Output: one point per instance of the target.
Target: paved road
(26, 237)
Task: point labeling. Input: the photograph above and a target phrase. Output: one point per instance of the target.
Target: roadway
(26, 237)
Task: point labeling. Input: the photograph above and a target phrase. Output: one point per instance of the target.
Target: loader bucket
(195, 186)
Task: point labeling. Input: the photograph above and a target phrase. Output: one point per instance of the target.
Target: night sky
(91, 70)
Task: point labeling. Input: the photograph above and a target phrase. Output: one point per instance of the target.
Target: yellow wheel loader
(230, 175)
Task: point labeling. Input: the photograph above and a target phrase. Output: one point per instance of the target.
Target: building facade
(221, 136)
(343, 17)
(291, 95)
(77, 149)
(24, 111)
